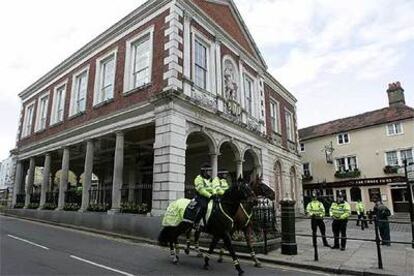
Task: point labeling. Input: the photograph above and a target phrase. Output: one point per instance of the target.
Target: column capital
(119, 133)
(187, 16)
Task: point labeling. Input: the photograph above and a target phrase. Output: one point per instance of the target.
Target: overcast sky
(335, 56)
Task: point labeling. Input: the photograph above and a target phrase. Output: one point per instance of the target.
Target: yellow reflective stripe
(227, 216)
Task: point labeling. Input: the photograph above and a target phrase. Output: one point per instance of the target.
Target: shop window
(356, 194)
(343, 192)
(374, 194)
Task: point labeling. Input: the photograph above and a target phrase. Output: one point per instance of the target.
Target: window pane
(397, 128)
(340, 139)
(346, 138)
(355, 194)
(341, 164)
(374, 194)
(407, 155)
(391, 129)
(392, 158)
(141, 62)
(352, 164)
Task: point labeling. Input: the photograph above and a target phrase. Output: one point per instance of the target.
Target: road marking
(101, 266)
(29, 242)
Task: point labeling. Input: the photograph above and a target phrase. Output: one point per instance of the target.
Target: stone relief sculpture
(231, 88)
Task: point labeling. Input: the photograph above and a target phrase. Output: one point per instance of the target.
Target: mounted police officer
(316, 211)
(360, 209)
(340, 212)
(204, 191)
(220, 183)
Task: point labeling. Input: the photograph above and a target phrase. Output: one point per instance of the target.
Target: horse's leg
(196, 242)
(221, 253)
(188, 242)
(228, 244)
(210, 251)
(173, 255)
(248, 236)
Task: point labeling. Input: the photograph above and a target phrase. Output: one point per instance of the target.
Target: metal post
(377, 241)
(289, 245)
(410, 202)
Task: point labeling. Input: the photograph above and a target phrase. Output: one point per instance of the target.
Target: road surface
(31, 248)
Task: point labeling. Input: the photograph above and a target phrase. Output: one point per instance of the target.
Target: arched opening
(251, 165)
(199, 148)
(278, 185)
(229, 160)
(293, 183)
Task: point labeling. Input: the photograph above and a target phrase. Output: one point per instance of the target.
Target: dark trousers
(339, 226)
(202, 204)
(315, 223)
(384, 229)
(364, 223)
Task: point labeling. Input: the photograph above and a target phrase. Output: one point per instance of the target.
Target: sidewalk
(359, 256)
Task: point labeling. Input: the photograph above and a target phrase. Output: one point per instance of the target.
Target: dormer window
(343, 138)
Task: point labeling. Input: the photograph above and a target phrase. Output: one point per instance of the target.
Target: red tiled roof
(372, 118)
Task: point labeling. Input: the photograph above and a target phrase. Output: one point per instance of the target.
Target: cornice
(118, 28)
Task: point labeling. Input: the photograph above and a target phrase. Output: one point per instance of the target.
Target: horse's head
(245, 192)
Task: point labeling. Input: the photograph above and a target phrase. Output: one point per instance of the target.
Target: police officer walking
(360, 209)
(340, 212)
(316, 211)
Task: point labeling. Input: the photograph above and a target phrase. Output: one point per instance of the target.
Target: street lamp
(410, 198)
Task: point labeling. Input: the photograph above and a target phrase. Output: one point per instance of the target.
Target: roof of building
(372, 118)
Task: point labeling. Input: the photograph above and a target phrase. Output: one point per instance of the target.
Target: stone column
(187, 54)
(45, 180)
(87, 175)
(239, 170)
(132, 180)
(64, 178)
(169, 157)
(30, 181)
(18, 182)
(214, 164)
(118, 173)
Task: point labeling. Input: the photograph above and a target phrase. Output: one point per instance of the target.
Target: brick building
(132, 116)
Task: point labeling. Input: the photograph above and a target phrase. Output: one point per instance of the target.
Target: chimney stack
(395, 94)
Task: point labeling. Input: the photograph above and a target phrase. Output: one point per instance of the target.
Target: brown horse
(242, 221)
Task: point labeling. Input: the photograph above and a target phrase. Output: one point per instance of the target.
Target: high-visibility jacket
(340, 211)
(203, 186)
(315, 208)
(360, 208)
(220, 186)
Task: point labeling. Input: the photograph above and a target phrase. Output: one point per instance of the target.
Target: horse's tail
(165, 236)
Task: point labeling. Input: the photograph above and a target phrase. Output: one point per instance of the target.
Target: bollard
(289, 246)
(377, 241)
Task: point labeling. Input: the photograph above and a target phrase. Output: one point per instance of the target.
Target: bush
(134, 208)
(33, 206)
(348, 174)
(391, 169)
(19, 205)
(98, 207)
(49, 206)
(71, 207)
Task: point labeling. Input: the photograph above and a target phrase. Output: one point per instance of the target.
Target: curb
(244, 256)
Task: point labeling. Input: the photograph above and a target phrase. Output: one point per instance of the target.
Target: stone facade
(144, 145)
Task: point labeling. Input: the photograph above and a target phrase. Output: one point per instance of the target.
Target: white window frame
(210, 51)
(129, 60)
(399, 156)
(25, 130)
(98, 77)
(38, 126)
(290, 134)
(53, 117)
(393, 126)
(277, 105)
(73, 113)
(343, 140)
(309, 168)
(346, 162)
